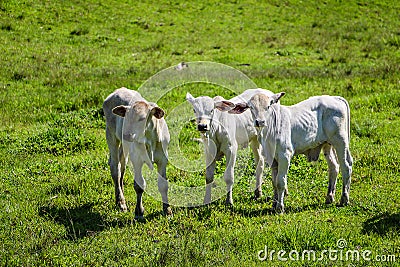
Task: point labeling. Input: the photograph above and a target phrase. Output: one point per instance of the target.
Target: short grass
(60, 59)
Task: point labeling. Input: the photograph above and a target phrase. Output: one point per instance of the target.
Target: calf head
(259, 105)
(204, 107)
(136, 117)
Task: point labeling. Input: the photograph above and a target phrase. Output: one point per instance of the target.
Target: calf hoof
(139, 218)
(344, 200)
(167, 211)
(257, 194)
(139, 212)
(122, 206)
(207, 199)
(278, 209)
(229, 204)
(329, 199)
(206, 202)
(229, 199)
(274, 203)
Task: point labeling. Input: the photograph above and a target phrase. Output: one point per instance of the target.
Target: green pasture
(60, 59)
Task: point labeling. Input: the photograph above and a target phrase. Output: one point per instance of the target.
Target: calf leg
(346, 163)
(163, 185)
(209, 180)
(346, 168)
(211, 152)
(259, 161)
(333, 170)
(140, 186)
(229, 173)
(117, 171)
(281, 184)
(274, 172)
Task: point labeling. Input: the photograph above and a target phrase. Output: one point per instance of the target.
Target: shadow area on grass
(382, 224)
(79, 222)
(82, 221)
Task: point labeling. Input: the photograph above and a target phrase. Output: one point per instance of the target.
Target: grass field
(60, 59)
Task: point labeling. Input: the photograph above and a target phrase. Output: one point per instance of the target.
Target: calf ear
(275, 98)
(239, 108)
(120, 110)
(157, 112)
(189, 97)
(224, 105)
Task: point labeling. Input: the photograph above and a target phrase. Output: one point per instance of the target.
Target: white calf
(228, 133)
(144, 139)
(321, 122)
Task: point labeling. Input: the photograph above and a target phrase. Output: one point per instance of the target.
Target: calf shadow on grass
(382, 224)
(79, 222)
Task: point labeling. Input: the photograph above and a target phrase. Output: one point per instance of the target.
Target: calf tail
(347, 117)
